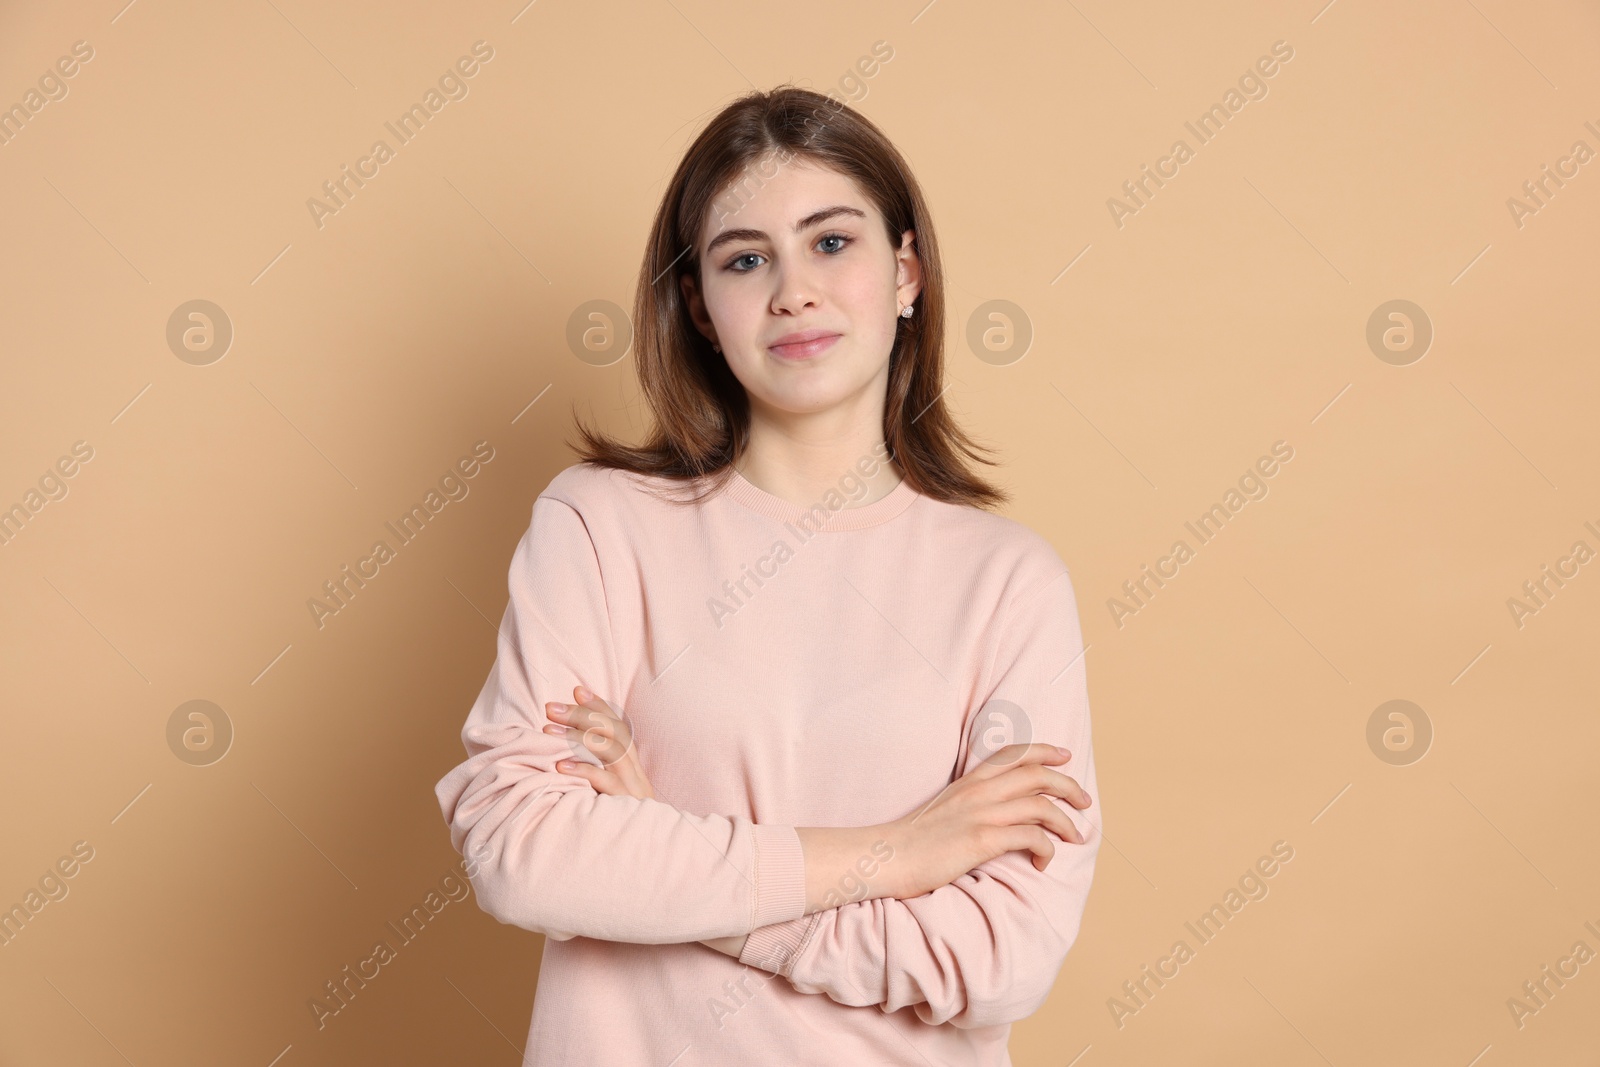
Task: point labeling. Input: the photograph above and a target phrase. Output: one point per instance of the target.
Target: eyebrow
(810, 220)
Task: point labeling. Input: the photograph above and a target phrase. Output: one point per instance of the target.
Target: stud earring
(716, 347)
(905, 312)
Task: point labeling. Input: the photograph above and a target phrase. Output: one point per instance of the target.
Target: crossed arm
(567, 860)
(853, 964)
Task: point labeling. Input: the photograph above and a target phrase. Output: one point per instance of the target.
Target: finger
(581, 715)
(607, 749)
(599, 716)
(1067, 788)
(593, 708)
(569, 714)
(586, 698)
(1030, 839)
(603, 780)
(1004, 759)
(594, 739)
(1037, 779)
(623, 780)
(611, 752)
(1040, 811)
(594, 718)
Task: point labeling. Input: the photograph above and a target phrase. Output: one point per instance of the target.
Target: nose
(794, 287)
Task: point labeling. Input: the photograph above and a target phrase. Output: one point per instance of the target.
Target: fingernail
(584, 695)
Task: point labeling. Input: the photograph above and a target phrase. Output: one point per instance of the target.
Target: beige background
(369, 354)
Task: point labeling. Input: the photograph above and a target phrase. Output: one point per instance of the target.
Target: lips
(804, 344)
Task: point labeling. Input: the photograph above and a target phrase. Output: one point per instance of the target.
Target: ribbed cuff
(780, 874)
(774, 948)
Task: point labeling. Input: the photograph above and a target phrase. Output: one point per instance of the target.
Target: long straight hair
(701, 411)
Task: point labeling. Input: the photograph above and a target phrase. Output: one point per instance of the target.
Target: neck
(799, 459)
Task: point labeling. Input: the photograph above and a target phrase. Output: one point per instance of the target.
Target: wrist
(847, 864)
(728, 946)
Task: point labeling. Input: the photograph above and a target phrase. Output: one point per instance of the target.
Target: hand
(1001, 805)
(602, 731)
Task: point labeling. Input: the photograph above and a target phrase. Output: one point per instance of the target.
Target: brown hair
(702, 414)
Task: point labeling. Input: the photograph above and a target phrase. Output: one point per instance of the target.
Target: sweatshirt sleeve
(985, 949)
(555, 856)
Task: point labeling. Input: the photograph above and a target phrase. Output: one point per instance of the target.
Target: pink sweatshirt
(781, 667)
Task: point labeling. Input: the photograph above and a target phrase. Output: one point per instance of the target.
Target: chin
(805, 401)
(806, 405)
(807, 388)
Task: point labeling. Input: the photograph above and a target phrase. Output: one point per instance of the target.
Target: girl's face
(801, 287)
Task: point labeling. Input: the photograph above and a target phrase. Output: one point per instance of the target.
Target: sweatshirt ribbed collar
(743, 491)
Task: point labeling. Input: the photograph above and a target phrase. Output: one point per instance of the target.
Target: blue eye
(843, 239)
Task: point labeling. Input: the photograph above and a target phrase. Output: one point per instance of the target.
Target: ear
(908, 269)
(696, 306)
